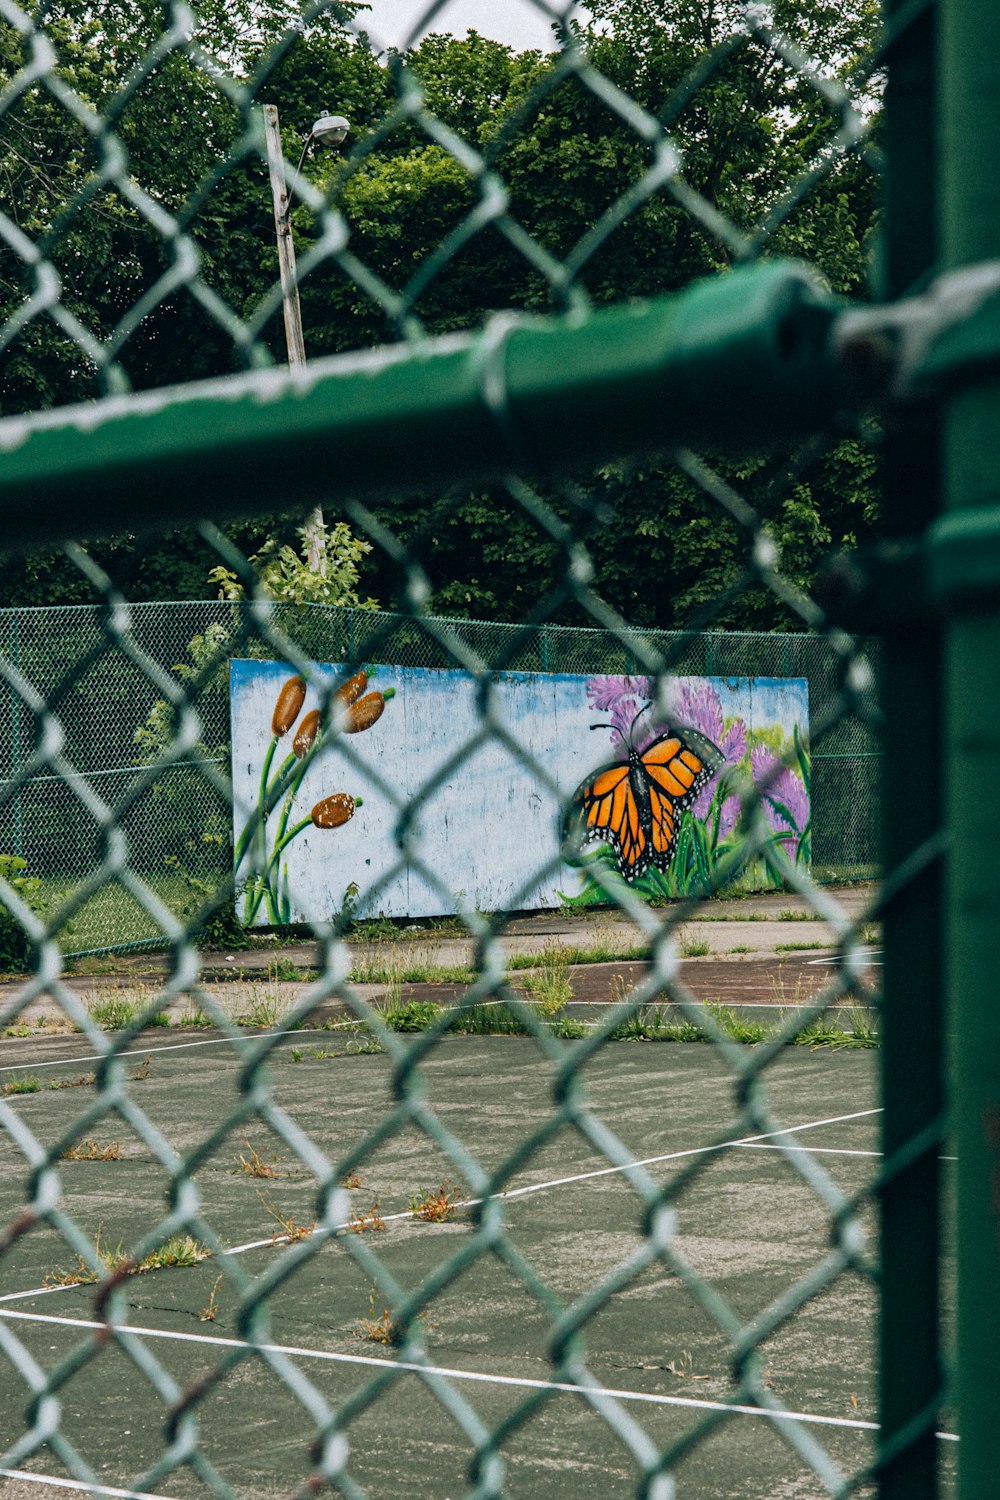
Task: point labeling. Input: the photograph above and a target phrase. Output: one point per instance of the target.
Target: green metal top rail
(741, 362)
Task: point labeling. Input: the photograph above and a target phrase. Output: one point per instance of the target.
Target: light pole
(328, 130)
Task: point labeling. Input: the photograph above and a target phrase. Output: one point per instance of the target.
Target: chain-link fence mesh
(191, 1325)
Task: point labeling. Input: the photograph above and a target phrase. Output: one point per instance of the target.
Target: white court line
(872, 959)
(79, 1484)
(479, 1377)
(537, 1187)
(211, 1041)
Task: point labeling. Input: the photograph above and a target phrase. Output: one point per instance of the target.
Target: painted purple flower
(622, 697)
(785, 799)
(697, 705)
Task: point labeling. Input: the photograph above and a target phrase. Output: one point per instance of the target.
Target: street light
(328, 130)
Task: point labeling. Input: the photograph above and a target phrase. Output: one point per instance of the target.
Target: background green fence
(180, 830)
(588, 348)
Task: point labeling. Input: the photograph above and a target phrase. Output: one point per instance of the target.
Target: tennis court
(754, 1223)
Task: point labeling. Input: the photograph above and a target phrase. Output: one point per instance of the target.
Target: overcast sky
(516, 22)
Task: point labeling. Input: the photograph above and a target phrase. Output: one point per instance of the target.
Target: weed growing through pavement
(363, 1223)
(90, 1149)
(801, 947)
(114, 1012)
(265, 1009)
(497, 1019)
(548, 985)
(179, 1250)
(254, 1165)
(382, 1329)
(291, 1231)
(352, 1180)
(73, 1083)
(283, 971)
(411, 1015)
(437, 1206)
(142, 1070)
(22, 1083)
(210, 1311)
(19, 1030)
(692, 949)
(195, 1018)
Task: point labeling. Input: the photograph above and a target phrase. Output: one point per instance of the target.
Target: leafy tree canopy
(521, 125)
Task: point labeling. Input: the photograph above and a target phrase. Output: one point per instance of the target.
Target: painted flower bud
(334, 810)
(286, 710)
(364, 713)
(306, 733)
(352, 688)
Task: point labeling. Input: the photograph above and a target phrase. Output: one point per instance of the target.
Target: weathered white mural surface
(404, 800)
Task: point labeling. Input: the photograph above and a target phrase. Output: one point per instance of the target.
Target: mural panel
(402, 804)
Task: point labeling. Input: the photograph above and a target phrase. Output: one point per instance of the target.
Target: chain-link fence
(330, 1252)
(179, 829)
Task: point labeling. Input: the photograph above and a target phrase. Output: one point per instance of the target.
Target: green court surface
(748, 1223)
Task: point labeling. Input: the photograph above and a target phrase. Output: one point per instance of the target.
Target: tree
(565, 155)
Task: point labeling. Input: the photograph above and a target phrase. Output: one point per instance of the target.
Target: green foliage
(747, 135)
(411, 1015)
(292, 578)
(16, 948)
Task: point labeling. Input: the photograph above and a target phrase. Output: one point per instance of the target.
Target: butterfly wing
(608, 810)
(675, 768)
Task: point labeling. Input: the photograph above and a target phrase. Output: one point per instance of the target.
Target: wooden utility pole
(290, 297)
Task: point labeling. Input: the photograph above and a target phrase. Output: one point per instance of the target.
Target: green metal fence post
(970, 134)
(912, 1082)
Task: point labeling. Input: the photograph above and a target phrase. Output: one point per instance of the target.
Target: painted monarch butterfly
(635, 804)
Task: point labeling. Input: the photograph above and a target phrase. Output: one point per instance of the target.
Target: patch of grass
(264, 1011)
(437, 1206)
(19, 1030)
(179, 1250)
(567, 1028)
(792, 915)
(694, 949)
(114, 1012)
(800, 947)
(299, 1054)
(283, 970)
(738, 1028)
(489, 1020)
(194, 1019)
(90, 1149)
(411, 1015)
(548, 984)
(858, 1031)
(741, 948)
(22, 1083)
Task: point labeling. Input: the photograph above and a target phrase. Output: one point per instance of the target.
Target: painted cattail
(306, 733)
(286, 710)
(352, 688)
(367, 710)
(334, 810)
